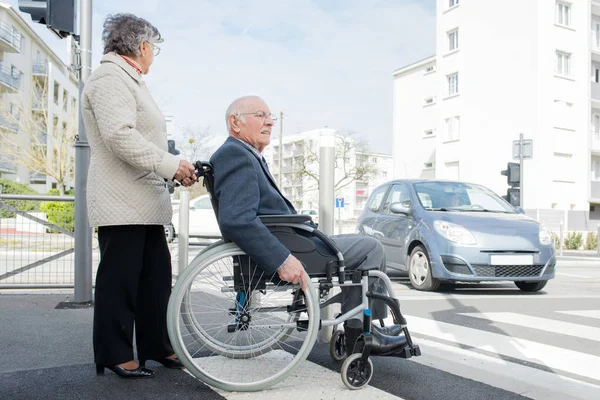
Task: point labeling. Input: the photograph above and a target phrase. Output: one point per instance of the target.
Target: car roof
(412, 181)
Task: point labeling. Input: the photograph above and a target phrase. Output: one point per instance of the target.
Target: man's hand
(185, 173)
(293, 271)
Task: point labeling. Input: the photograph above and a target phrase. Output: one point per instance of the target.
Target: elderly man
(245, 189)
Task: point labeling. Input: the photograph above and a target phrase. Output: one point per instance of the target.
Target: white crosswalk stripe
(555, 358)
(583, 313)
(544, 324)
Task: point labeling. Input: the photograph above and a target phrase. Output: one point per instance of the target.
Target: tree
(348, 164)
(195, 143)
(25, 140)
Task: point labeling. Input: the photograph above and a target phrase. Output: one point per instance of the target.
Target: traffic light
(513, 179)
(172, 148)
(57, 15)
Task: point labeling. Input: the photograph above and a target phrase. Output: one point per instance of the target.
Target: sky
(323, 63)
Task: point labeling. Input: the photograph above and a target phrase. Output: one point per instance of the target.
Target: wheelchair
(236, 328)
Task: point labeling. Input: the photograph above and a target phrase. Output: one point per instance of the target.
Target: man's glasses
(261, 115)
(156, 48)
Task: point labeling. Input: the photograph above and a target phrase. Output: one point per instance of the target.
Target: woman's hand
(185, 173)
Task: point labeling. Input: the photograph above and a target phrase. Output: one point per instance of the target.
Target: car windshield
(458, 196)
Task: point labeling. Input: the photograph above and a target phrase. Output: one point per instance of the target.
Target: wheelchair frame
(357, 369)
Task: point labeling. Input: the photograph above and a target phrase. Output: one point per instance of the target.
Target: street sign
(339, 202)
(527, 149)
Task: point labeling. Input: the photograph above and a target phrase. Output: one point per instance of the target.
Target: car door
(369, 218)
(202, 218)
(394, 227)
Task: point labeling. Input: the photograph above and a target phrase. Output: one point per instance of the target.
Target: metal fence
(37, 242)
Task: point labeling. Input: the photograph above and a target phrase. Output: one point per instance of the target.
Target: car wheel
(531, 286)
(419, 271)
(169, 233)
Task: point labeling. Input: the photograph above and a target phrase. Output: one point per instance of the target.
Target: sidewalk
(579, 253)
(46, 353)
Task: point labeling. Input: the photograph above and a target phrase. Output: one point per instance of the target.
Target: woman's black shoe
(139, 372)
(173, 363)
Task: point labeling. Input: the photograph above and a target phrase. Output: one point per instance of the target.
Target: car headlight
(455, 233)
(545, 237)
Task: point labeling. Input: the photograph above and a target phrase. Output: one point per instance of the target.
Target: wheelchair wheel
(243, 340)
(337, 346)
(356, 374)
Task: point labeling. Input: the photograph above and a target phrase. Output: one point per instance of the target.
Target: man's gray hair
(124, 33)
(239, 106)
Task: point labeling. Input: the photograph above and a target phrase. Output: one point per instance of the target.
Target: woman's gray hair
(123, 34)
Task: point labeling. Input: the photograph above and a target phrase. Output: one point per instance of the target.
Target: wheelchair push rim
(204, 326)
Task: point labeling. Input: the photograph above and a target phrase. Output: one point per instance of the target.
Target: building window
(596, 170)
(453, 128)
(452, 84)
(428, 165)
(563, 13)
(429, 132)
(56, 94)
(65, 99)
(453, 40)
(596, 127)
(429, 69)
(563, 63)
(452, 3)
(429, 100)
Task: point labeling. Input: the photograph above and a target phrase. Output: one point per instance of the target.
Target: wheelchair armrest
(284, 219)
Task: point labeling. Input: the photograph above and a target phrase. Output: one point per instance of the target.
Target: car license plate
(511, 259)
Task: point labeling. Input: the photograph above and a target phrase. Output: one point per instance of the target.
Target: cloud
(323, 63)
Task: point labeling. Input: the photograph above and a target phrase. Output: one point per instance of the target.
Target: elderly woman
(129, 202)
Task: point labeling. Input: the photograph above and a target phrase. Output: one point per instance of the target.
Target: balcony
(39, 103)
(10, 39)
(595, 94)
(40, 68)
(7, 81)
(595, 190)
(595, 142)
(37, 178)
(7, 167)
(6, 125)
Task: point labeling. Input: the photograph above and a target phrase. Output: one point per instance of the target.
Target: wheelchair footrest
(408, 352)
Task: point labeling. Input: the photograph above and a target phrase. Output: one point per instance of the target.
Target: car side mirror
(400, 208)
(520, 210)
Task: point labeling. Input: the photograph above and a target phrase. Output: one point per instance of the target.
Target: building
(35, 84)
(502, 69)
(301, 153)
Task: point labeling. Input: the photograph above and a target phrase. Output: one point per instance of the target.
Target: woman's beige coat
(128, 141)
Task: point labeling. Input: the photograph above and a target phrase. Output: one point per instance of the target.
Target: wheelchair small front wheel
(356, 373)
(337, 346)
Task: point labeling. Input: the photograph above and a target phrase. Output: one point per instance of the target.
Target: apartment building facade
(33, 79)
(301, 151)
(502, 69)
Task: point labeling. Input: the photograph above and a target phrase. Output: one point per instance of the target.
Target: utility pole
(83, 232)
(521, 173)
(280, 175)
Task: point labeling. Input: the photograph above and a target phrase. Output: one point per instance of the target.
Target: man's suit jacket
(245, 189)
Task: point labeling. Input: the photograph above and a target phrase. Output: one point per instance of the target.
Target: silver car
(439, 231)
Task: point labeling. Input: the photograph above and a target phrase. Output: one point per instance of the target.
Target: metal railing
(8, 35)
(39, 68)
(37, 243)
(8, 79)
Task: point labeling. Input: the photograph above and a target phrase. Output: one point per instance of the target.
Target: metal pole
(326, 212)
(339, 220)
(562, 239)
(521, 203)
(280, 175)
(83, 232)
(183, 236)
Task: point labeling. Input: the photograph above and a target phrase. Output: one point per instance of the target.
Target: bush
(61, 213)
(573, 241)
(591, 242)
(12, 187)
